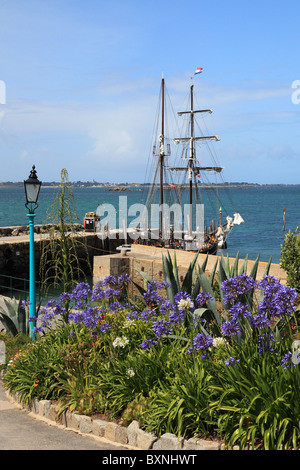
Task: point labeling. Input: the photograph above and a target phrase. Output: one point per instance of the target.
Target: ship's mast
(192, 168)
(162, 153)
(191, 159)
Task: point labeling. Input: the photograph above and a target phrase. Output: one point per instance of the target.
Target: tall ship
(175, 210)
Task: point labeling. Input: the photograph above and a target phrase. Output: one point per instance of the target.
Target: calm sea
(261, 208)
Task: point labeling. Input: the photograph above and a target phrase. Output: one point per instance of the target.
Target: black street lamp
(32, 189)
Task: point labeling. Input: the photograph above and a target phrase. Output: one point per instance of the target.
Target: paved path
(19, 430)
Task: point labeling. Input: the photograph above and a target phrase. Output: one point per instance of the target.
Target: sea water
(261, 207)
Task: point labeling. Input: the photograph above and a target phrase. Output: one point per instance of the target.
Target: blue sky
(82, 79)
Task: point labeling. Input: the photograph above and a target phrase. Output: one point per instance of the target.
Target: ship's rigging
(176, 180)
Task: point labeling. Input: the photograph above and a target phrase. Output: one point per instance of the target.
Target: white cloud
(115, 129)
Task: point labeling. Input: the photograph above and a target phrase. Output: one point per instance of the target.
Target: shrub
(290, 258)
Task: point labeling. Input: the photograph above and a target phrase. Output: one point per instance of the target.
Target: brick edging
(131, 435)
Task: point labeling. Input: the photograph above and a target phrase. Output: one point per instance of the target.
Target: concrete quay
(148, 259)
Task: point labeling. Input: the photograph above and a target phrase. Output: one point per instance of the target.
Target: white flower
(130, 372)
(219, 342)
(185, 304)
(120, 342)
(128, 323)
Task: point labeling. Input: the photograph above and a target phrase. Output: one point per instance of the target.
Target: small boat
(90, 220)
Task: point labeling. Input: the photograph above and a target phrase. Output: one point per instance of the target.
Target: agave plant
(13, 317)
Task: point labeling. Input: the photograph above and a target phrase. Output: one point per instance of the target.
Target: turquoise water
(261, 208)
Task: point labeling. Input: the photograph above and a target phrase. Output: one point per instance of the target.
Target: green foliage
(290, 258)
(13, 344)
(259, 400)
(136, 410)
(14, 317)
(64, 255)
(180, 405)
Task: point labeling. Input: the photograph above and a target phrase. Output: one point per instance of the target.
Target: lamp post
(32, 188)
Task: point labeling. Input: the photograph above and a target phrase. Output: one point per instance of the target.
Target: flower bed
(173, 363)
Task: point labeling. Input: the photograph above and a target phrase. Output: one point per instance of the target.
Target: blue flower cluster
(236, 287)
(90, 307)
(172, 313)
(287, 361)
(76, 305)
(279, 301)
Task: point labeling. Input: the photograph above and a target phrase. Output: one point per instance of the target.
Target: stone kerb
(131, 436)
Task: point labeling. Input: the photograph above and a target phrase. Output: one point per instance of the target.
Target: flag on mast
(198, 70)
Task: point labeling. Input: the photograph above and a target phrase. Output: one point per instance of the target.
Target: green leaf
(8, 324)
(212, 274)
(243, 268)
(234, 269)
(206, 287)
(253, 272)
(168, 276)
(189, 277)
(175, 272)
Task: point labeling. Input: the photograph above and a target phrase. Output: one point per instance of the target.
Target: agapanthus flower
(202, 341)
(186, 305)
(147, 314)
(265, 342)
(123, 280)
(279, 300)
(111, 292)
(55, 307)
(91, 317)
(98, 293)
(65, 297)
(133, 315)
(203, 298)
(161, 328)
(115, 306)
(260, 321)
(120, 342)
(189, 350)
(184, 302)
(38, 329)
(237, 286)
(104, 327)
(230, 328)
(239, 310)
(219, 342)
(151, 295)
(268, 281)
(109, 281)
(76, 316)
(286, 361)
(148, 344)
(181, 295)
(176, 317)
(80, 294)
(167, 306)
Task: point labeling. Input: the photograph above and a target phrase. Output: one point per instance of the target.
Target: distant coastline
(127, 186)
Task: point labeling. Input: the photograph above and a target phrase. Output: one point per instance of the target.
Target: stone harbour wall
(14, 249)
